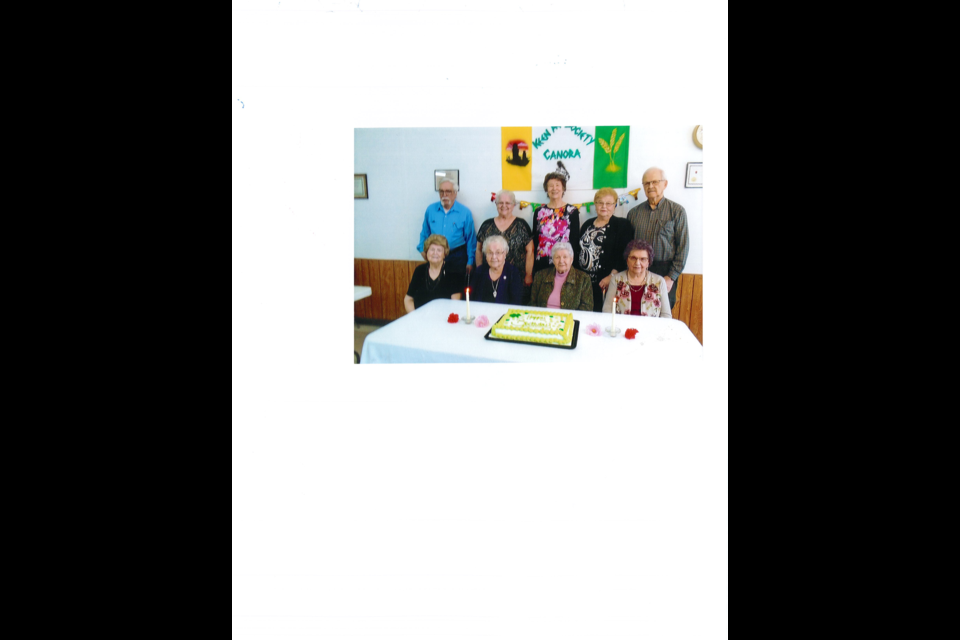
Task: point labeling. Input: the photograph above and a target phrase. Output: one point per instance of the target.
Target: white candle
(613, 313)
(468, 303)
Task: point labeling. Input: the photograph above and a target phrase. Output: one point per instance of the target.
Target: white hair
(562, 246)
(456, 187)
(663, 174)
(498, 240)
(507, 192)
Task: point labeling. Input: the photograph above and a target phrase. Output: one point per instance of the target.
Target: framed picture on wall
(445, 174)
(360, 185)
(694, 175)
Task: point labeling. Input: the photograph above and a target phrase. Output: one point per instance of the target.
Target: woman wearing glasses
(497, 280)
(639, 291)
(514, 230)
(602, 241)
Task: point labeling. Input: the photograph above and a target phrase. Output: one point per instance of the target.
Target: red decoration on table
(630, 334)
(453, 318)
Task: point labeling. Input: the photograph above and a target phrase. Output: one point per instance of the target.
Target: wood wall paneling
(696, 313)
(386, 286)
(683, 313)
(365, 273)
(376, 306)
(411, 267)
(357, 305)
(402, 282)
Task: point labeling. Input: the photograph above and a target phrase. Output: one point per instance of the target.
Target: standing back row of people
(597, 248)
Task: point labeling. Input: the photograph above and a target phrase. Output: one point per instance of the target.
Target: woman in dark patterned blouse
(514, 230)
(554, 222)
(602, 241)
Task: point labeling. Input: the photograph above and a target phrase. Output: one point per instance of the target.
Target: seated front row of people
(638, 290)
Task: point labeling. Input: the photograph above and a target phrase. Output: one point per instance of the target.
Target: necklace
(495, 284)
(436, 283)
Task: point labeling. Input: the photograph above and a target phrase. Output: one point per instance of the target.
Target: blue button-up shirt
(456, 226)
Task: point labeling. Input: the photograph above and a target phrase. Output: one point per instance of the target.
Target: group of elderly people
(539, 268)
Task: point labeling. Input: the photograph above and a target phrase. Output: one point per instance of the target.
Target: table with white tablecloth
(426, 336)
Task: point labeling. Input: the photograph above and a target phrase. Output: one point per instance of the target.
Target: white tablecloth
(426, 336)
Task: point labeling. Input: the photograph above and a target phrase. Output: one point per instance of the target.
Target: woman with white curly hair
(497, 280)
(561, 286)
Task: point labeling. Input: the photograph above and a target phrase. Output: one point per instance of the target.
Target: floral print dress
(551, 226)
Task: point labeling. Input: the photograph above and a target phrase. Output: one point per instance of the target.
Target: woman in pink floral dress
(639, 291)
(554, 222)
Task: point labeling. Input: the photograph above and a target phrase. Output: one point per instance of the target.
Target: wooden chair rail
(389, 280)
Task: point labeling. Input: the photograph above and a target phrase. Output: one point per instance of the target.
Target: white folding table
(426, 336)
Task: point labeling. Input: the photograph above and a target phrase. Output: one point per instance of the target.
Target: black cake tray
(573, 343)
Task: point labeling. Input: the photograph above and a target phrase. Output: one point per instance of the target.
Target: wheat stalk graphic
(612, 148)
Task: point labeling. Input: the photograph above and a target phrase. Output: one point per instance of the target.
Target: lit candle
(613, 314)
(468, 303)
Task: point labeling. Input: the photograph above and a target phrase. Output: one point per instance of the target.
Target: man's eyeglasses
(447, 191)
(645, 184)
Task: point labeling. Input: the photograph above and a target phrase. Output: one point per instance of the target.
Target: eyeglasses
(506, 204)
(498, 254)
(643, 260)
(646, 184)
(443, 191)
(606, 204)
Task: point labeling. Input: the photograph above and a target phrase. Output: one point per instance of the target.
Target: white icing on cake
(535, 326)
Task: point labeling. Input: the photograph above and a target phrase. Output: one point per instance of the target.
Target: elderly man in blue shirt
(454, 221)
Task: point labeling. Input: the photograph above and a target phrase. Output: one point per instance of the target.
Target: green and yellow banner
(610, 159)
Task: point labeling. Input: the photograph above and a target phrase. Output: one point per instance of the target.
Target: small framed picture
(694, 174)
(445, 174)
(360, 185)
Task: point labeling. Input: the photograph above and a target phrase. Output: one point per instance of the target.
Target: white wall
(399, 164)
